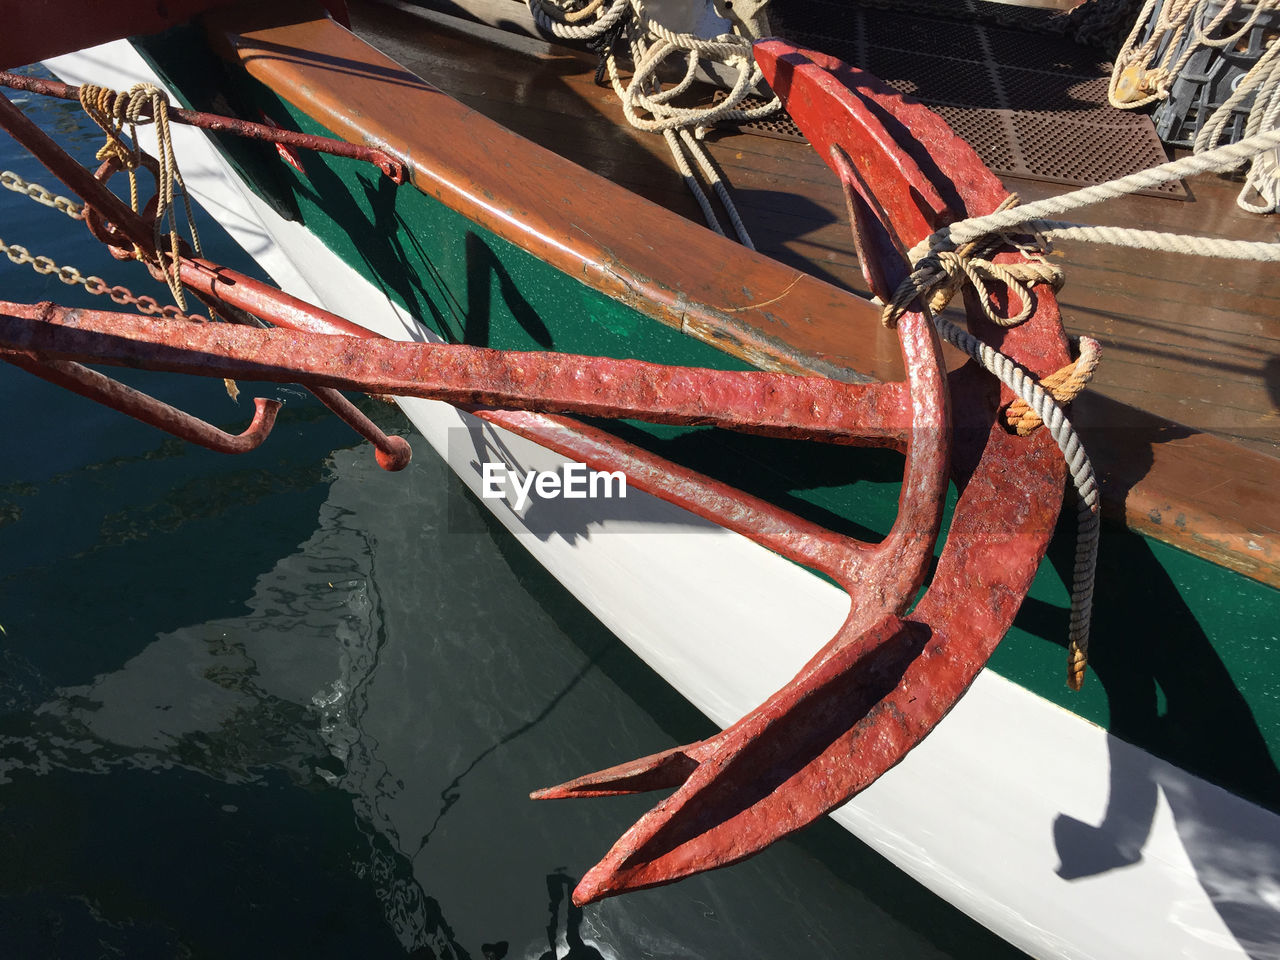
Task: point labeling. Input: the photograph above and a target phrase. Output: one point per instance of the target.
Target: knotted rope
(943, 272)
(1064, 385)
(943, 261)
(145, 103)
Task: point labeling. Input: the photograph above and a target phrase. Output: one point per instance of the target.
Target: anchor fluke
(797, 756)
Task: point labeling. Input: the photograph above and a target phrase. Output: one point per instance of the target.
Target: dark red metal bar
(391, 166)
(207, 279)
(392, 453)
(80, 180)
(116, 395)
(212, 284)
(887, 678)
(772, 404)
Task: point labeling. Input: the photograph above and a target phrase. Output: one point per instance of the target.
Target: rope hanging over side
(145, 103)
(649, 106)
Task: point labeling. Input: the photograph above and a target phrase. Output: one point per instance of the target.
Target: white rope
(932, 266)
(1145, 72)
(1220, 159)
(1255, 250)
(1262, 85)
(649, 106)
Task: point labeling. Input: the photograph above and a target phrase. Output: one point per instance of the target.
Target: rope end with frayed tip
(1077, 660)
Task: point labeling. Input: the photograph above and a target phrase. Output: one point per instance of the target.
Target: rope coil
(649, 106)
(1145, 71)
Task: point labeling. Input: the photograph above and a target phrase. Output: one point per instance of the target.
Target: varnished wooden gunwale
(765, 312)
(1210, 497)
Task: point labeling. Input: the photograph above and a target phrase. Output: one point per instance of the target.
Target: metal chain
(96, 285)
(11, 181)
(70, 275)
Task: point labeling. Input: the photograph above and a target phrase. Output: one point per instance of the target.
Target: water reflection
(342, 764)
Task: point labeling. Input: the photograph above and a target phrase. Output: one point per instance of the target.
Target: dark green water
(276, 705)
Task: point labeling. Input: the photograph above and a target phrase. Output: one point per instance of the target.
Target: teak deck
(1186, 341)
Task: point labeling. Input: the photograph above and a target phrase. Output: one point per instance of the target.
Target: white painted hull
(992, 811)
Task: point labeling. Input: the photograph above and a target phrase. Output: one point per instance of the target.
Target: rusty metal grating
(1032, 104)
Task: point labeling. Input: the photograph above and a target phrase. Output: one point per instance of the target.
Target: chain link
(11, 181)
(96, 285)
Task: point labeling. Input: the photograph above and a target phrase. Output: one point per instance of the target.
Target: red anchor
(888, 677)
(892, 671)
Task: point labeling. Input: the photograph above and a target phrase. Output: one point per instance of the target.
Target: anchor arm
(885, 680)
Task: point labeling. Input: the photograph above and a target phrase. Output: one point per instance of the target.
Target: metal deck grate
(1032, 104)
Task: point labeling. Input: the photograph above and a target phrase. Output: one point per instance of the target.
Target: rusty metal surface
(392, 453)
(37, 31)
(216, 123)
(887, 678)
(770, 404)
(238, 296)
(118, 396)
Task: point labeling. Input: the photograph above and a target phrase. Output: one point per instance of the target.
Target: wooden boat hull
(1023, 780)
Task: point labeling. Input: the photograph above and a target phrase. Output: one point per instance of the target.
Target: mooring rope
(145, 103)
(649, 106)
